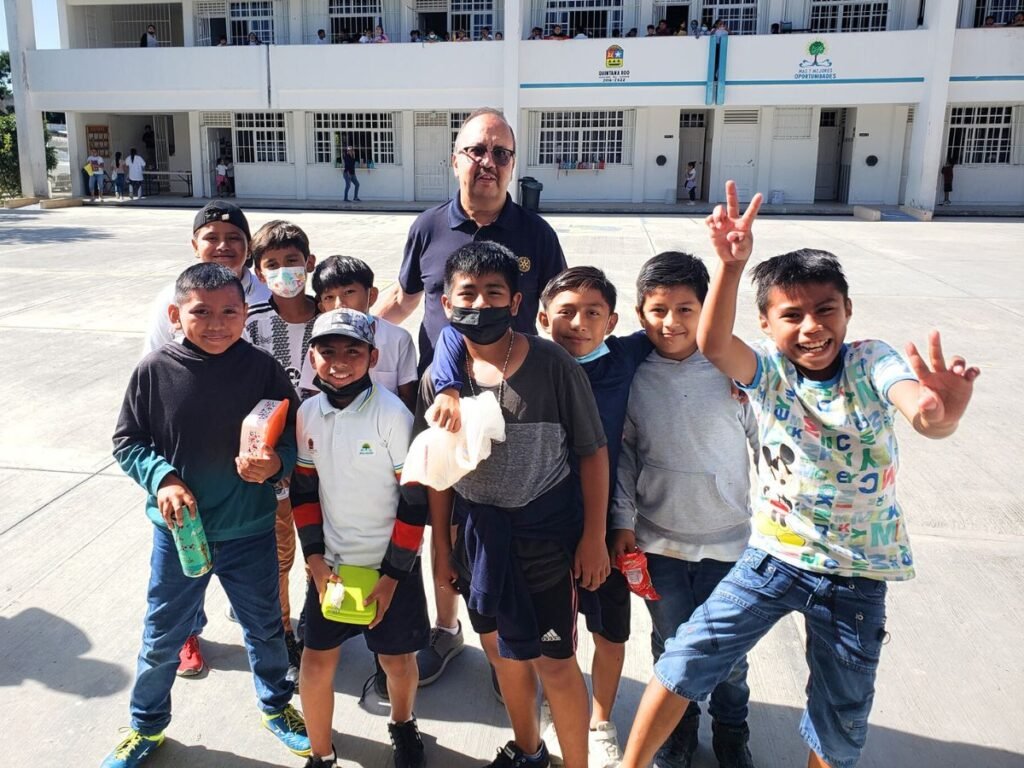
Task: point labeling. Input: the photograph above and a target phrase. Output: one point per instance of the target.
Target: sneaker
(443, 647)
(603, 746)
(378, 681)
(407, 744)
(496, 687)
(290, 728)
(294, 658)
(190, 658)
(356, 200)
(511, 756)
(132, 750)
(315, 761)
(678, 749)
(730, 745)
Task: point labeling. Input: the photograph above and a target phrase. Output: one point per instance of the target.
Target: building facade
(804, 100)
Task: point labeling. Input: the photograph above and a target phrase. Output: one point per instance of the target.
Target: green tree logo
(816, 48)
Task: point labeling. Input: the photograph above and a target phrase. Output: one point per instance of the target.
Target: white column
(510, 85)
(295, 30)
(188, 24)
(929, 118)
(21, 38)
(76, 153)
(200, 174)
(299, 153)
(408, 139)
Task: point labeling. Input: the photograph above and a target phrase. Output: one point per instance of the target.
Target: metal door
(739, 157)
(829, 142)
(432, 165)
(692, 133)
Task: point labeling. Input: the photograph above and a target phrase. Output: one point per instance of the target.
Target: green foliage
(816, 48)
(5, 78)
(10, 175)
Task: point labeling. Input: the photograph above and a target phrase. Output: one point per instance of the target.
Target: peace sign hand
(731, 234)
(945, 392)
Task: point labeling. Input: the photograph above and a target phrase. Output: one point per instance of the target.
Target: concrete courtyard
(75, 290)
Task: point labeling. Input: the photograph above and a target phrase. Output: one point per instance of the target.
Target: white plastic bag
(438, 458)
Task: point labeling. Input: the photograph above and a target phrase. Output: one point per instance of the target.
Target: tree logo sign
(817, 66)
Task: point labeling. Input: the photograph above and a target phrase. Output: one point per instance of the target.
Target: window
(261, 137)
(793, 122)
(598, 18)
(456, 119)
(571, 138)
(372, 134)
(832, 16)
(1002, 11)
(351, 18)
(740, 15)
(254, 16)
(980, 135)
(472, 16)
(691, 119)
(828, 118)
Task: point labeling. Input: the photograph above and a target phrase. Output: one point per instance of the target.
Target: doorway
(830, 144)
(218, 145)
(694, 146)
(675, 14)
(432, 170)
(434, 22)
(740, 135)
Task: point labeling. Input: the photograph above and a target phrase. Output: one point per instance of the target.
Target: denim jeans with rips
(247, 569)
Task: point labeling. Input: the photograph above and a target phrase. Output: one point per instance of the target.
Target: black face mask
(482, 326)
(343, 393)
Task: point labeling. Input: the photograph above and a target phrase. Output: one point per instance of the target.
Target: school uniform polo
(396, 358)
(439, 231)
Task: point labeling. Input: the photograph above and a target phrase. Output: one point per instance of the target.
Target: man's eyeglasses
(478, 152)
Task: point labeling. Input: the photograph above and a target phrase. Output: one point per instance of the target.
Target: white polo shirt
(396, 358)
(357, 453)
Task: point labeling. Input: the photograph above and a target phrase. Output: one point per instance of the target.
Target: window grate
(740, 15)
(373, 135)
(261, 137)
(741, 117)
(582, 138)
(793, 122)
(980, 135)
(691, 119)
(845, 16)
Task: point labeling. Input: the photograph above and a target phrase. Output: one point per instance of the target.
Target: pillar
(21, 38)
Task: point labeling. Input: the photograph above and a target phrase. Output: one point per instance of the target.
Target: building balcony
(988, 65)
(148, 79)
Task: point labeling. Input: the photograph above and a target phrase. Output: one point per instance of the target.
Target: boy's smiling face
(578, 321)
(669, 316)
(340, 360)
(221, 243)
(480, 292)
(212, 320)
(352, 296)
(808, 323)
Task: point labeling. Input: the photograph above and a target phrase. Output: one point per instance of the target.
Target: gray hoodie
(683, 480)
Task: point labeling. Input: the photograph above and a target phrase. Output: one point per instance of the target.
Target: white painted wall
(979, 54)
(265, 180)
(986, 184)
(880, 131)
(324, 182)
(790, 164)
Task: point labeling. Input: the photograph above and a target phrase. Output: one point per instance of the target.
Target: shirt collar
(457, 216)
(355, 406)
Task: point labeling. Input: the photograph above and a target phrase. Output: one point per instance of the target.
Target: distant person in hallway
(149, 139)
(947, 179)
(135, 165)
(349, 160)
(149, 38)
(321, 37)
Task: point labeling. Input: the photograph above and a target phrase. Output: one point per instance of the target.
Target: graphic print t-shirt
(825, 499)
(287, 342)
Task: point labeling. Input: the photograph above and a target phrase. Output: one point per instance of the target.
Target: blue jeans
(684, 586)
(845, 621)
(350, 179)
(119, 183)
(247, 569)
(96, 184)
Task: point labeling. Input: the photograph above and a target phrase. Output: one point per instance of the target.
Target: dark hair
(335, 271)
(579, 279)
(807, 265)
(205, 277)
(671, 268)
(117, 158)
(278, 234)
(480, 112)
(482, 257)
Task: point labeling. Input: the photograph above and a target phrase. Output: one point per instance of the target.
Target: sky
(47, 34)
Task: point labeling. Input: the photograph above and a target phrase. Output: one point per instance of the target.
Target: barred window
(457, 119)
(845, 16)
(473, 15)
(571, 138)
(793, 122)
(351, 18)
(691, 119)
(252, 16)
(1002, 11)
(598, 18)
(372, 134)
(740, 15)
(261, 137)
(980, 135)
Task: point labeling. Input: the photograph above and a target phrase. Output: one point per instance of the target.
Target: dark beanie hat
(219, 210)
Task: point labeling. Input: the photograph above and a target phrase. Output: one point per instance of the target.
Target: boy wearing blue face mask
(282, 326)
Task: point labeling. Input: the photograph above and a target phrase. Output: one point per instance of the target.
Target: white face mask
(286, 282)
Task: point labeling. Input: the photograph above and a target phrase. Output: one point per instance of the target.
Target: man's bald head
(481, 112)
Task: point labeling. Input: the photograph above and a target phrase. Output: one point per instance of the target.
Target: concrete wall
(880, 131)
(988, 65)
(790, 163)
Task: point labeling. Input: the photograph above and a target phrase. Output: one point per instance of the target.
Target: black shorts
(614, 599)
(548, 573)
(405, 628)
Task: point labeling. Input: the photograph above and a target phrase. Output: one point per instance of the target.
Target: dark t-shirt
(549, 410)
(350, 163)
(440, 231)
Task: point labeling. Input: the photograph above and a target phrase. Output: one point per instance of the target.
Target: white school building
(804, 100)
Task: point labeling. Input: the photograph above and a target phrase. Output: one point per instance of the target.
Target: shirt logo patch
(524, 264)
(366, 449)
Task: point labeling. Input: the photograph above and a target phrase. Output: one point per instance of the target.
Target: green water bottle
(193, 549)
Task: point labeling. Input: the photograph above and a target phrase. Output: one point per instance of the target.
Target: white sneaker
(549, 736)
(603, 746)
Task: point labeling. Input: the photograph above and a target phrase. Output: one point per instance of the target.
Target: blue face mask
(599, 352)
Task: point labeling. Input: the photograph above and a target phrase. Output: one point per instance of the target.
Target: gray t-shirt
(549, 410)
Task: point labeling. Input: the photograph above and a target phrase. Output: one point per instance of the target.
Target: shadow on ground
(56, 658)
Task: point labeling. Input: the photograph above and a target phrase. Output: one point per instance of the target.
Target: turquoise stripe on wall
(637, 84)
(837, 81)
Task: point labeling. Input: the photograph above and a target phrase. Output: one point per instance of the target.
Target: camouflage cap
(344, 322)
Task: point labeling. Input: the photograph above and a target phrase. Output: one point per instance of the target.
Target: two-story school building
(804, 100)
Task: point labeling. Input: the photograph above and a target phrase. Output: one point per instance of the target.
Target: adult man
(149, 40)
(483, 161)
(349, 174)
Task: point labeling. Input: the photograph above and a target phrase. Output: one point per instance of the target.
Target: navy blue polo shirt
(438, 232)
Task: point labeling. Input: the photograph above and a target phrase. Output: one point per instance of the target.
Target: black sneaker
(678, 749)
(378, 681)
(511, 756)
(730, 745)
(322, 762)
(407, 744)
(294, 657)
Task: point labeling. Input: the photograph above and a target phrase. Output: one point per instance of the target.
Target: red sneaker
(190, 660)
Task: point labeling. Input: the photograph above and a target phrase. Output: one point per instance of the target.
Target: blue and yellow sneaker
(133, 750)
(290, 728)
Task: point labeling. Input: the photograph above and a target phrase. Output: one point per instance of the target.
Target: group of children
(612, 445)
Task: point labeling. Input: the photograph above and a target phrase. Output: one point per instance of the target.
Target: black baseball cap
(219, 210)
